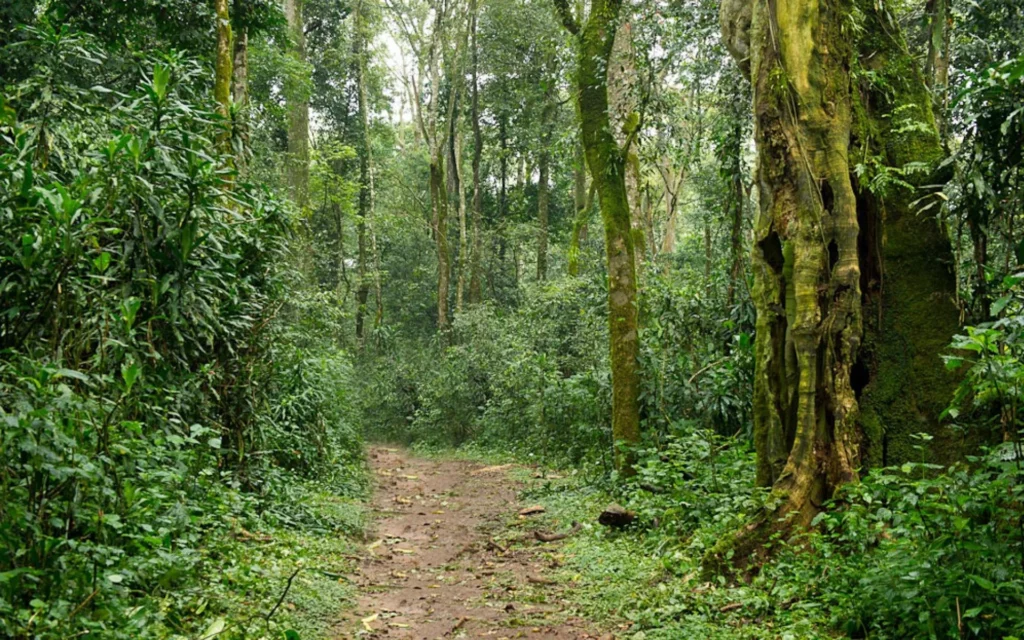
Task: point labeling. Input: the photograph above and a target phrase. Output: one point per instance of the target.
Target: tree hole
(827, 197)
(771, 249)
(833, 255)
(860, 376)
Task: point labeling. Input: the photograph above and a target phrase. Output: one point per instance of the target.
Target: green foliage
(531, 379)
(923, 552)
(157, 389)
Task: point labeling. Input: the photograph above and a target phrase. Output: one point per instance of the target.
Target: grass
(647, 585)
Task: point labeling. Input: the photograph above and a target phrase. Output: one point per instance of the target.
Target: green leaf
(130, 373)
(291, 634)
(129, 308)
(161, 78)
(1000, 304)
(101, 262)
(215, 628)
(71, 373)
(983, 583)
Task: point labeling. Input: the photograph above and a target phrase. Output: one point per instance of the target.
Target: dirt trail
(432, 568)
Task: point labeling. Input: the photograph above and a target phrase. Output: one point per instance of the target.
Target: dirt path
(432, 569)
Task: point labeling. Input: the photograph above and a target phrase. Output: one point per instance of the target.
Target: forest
(564, 319)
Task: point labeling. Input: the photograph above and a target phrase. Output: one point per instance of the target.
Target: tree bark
(475, 289)
(582, 199)
(297, 98)
(940, 24)
(365, 150)
(824, 381)
(460, 287)
(607, 164)
(222, 69)
(240, 94)
(736, 201)
(622, 76)
(543, 194)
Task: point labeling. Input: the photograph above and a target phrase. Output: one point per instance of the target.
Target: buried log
(616, 516)
(551, 537)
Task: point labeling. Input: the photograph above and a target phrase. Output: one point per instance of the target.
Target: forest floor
(452, 555)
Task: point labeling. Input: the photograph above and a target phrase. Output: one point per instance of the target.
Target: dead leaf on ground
(535, 509)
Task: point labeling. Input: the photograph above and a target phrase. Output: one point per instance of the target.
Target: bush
(156, 390)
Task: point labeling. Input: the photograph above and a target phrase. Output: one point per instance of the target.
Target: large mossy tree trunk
(852, 288)
(607, 163)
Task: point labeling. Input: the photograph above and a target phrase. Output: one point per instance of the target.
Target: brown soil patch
(436, 566)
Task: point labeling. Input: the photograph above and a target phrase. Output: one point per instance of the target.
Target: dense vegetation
(240, 237)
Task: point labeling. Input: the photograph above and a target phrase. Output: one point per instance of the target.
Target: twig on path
(552, 537)
(284, 594)
(494, 546)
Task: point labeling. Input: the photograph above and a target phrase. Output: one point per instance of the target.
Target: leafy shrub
(152, 374)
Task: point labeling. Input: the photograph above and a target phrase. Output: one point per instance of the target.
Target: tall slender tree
(297, 97)
(594, 37)
(476, 220)
(222, 65)
(360, 37)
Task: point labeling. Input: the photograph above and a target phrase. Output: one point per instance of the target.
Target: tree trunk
(365, 211)
(222, 68)
(672, 183)
(240, 94)
(737, 197)
(543, 195)
(439, 204)
(475, 292)
(825, 246)
(296, 95)
(582, 199)
(707, 260)
(608, 170)
(460, 286)
(622, 100)
(940, 24)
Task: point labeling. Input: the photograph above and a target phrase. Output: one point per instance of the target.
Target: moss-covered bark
(831, 254)
(222, 64)
(607, 164)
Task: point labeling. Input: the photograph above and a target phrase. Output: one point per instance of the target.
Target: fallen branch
(552, 537)
(731, 607)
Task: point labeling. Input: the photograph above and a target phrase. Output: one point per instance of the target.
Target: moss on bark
(831, 254)
(607, 165)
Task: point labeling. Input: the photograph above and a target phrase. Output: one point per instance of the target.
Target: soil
(440, 563)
